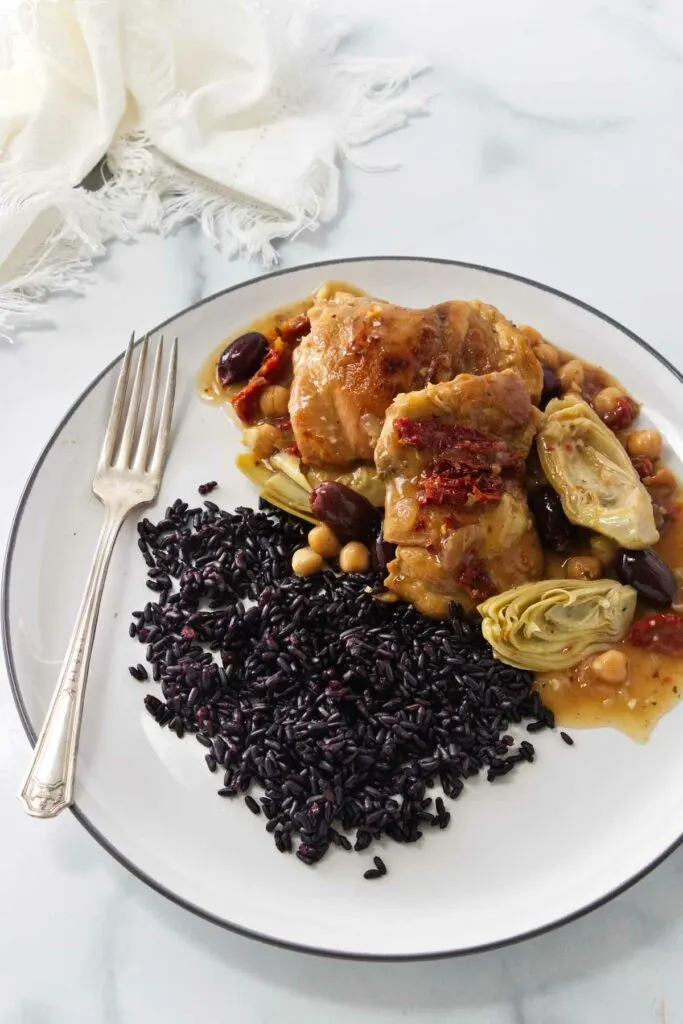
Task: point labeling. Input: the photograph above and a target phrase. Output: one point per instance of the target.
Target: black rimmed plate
(527, 853)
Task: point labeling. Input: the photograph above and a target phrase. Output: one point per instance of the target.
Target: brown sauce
(207, 383)
(654, 683)
(578, 699)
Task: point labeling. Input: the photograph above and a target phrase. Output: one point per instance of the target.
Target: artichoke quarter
(554, 624)
(590, 470)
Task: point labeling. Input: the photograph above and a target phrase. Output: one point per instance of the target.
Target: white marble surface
(554, 150)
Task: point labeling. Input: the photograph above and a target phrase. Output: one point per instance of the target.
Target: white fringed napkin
(233, 112)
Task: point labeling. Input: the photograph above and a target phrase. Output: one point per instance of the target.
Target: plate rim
(82, 818)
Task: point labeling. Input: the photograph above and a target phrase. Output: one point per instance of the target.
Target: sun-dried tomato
(662, 631)
(293, 330)
(622, 415)
(452, 488)
(642, 465)
(439, 437)
(274, 367)
(465, 450)
(245, 402)
(473, 576)
(434, 434)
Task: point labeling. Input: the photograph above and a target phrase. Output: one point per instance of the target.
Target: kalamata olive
(647, 573)
(242, 358)
(345, 511)
(382, 552)
(552, 388)
(556, 532)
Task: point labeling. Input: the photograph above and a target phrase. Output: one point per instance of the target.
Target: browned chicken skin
(453, 456)
(361, 353)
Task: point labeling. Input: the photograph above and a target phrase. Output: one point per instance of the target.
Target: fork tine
(123, 457)
(111, 433)
(163, 435)
(142, 451)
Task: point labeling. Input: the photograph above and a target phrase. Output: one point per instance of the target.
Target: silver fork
(128, 474)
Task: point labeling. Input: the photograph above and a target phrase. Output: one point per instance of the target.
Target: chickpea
(306, 561)
(646, 444)
(606, 401)
(548, 355)
(571, 375)
(663, 481)
(274, 400)
(583, 567)
(611, 666)
(263, 440)
(354, 557)
(324, 541)
(603, 549)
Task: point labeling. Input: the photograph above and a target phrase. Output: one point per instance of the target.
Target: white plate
(553, 840)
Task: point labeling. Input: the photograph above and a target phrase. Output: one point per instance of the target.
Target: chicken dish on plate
(478, 464)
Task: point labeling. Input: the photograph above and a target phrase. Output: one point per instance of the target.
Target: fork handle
(49, 784)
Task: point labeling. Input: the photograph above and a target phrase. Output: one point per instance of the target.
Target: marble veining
(553, 149)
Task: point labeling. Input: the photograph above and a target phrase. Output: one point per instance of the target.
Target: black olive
(346, 512)
(551, 386)
(242, 358)
(647, 573)
(382, 552)
(557, 533)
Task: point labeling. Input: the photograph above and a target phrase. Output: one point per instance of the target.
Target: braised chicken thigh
(452, 456)
(361, 353)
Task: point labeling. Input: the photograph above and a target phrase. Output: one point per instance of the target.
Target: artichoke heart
(279, 488)
(290, 466)
(594, 477)
(554, 624)
(363, 480)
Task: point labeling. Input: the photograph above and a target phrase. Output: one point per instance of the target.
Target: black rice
(251, 804)
(344, 709)
(567, 739)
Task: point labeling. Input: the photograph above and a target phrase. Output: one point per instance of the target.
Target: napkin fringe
(147, 191)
